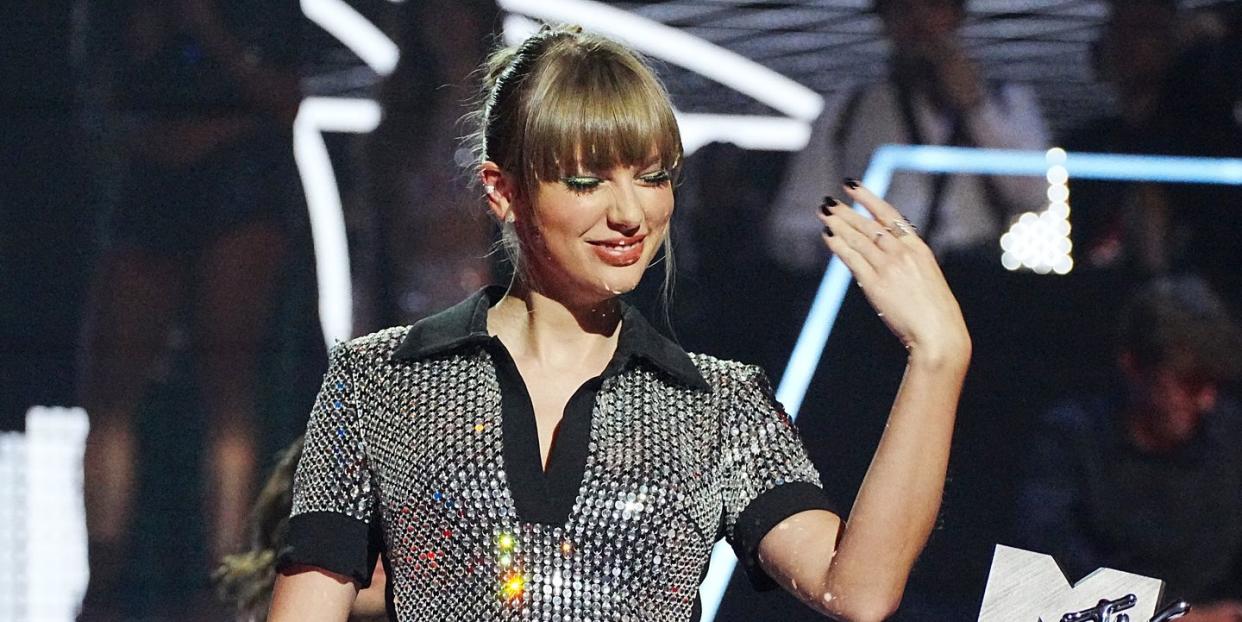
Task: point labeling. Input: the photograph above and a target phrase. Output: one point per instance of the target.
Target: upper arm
(331, 525)
(798, 551)
(306, 593)
(767, 476)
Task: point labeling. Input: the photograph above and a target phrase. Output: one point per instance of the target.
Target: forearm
(310, 594)
(896, 507)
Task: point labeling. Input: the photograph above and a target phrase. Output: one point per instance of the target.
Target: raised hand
(899, 275)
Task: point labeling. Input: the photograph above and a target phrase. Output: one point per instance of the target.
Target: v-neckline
(540, 495)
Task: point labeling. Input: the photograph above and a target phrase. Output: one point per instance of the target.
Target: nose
(625, 214)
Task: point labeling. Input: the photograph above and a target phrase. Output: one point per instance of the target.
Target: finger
(877, 232)
(860, 241)
(858, 265)
(881, 237)
(880, 209)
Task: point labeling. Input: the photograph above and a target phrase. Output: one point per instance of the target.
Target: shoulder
(728, 377)
(372, 349)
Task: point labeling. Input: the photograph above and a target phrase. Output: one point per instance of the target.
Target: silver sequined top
(418, 448)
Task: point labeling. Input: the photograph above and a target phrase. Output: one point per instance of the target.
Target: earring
(488, 189)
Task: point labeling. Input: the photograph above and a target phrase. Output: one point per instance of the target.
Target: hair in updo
(567, 101)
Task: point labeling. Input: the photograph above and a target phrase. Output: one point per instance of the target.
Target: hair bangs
(598, 112)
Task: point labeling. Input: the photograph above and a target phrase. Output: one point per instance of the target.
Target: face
(1177, 400)
(917, 27)
(1137, 46)
(592, 234)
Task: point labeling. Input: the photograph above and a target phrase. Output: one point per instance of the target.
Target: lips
(620, 251)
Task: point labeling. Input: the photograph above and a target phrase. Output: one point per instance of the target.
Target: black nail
(828, 202)
(851, 183)
(828, 231)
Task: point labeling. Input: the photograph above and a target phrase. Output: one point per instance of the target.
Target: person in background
(934, 95)
(206, 92)
(425, 255)
(244, 580)
(1148, 478)
(1174, 75)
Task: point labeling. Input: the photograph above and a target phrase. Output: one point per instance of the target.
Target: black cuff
(765, 512)
(331, 541)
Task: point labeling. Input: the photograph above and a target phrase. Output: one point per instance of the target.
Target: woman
(543, 453)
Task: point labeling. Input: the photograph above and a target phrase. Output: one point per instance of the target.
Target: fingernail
(851, 183)
(828, 231)
(828, 202)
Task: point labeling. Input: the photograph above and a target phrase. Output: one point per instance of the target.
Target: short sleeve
(767, 474)
(333, 502)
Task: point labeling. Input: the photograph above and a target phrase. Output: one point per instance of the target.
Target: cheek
(661, 210)
(561, 217)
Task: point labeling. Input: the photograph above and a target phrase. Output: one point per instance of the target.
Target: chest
(1154, 509)
(463, 502)
(463, 433)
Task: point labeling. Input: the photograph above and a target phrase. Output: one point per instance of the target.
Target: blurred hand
(900, 277)
(957, 77)
(1222, 611)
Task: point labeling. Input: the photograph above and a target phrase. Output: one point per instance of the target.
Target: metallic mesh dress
(422, 448)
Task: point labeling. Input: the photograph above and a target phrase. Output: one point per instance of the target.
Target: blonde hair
(565, 101)
(245, 580)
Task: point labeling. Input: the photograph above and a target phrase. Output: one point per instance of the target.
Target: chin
(615, 285)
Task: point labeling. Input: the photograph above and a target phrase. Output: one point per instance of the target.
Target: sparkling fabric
(416, 449)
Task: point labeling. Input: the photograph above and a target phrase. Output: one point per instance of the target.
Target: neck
(554, 332)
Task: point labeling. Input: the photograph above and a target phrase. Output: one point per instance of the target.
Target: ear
(499, 191)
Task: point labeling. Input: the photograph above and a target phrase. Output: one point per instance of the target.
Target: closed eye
(581, 183)
(657, 178)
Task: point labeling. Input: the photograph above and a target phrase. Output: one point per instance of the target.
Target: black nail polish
(851, 183)
(828, 202)
(828, 231)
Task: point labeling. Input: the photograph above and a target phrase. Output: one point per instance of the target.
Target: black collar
(466, 323)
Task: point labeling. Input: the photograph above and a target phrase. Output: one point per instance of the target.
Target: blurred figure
(1175, 81)
(206, 92)
(935, 95)
(245, 580)
(1129, 225)
(1148, 479)
(431, 243)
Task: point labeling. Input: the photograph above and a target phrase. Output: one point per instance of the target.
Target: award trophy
(1024, 586)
